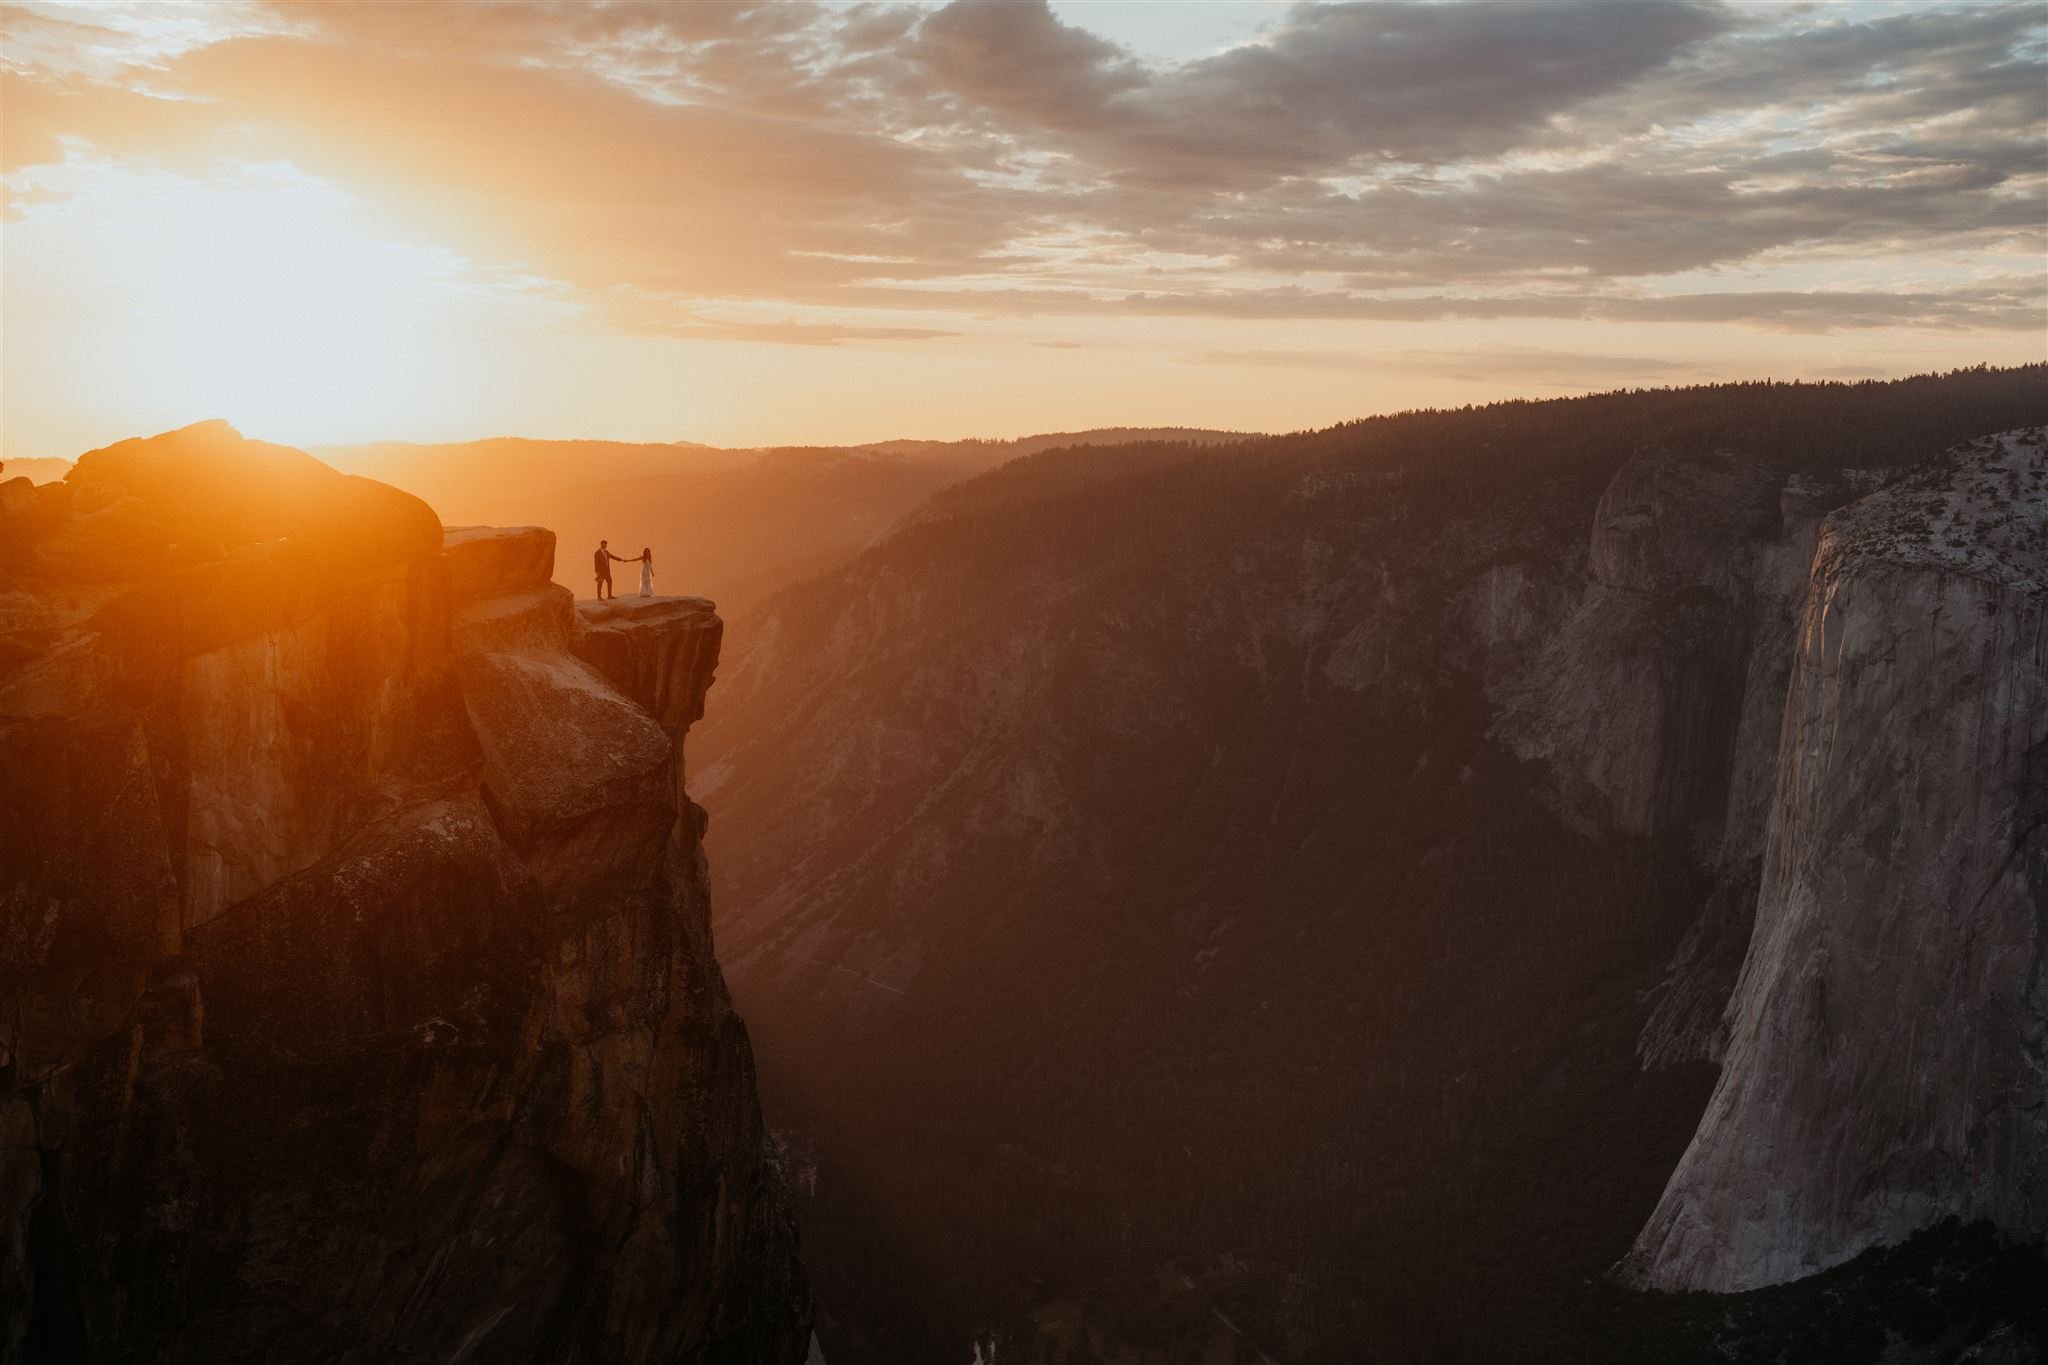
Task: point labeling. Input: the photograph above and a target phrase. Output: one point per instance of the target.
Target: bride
(646, 572)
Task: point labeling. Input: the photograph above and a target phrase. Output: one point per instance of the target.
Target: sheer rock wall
(1887, 1063)
(357, 999)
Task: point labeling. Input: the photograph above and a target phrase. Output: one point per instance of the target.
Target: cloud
(791, 332)
(2011, 305)
(1480, 362)
(1962, 309)
(1562, 367)
(1775, 310)
(1384, 161)
(582, 179)
(1401, 82)
(1333, 85)
(1278, 359)
(1015, 57)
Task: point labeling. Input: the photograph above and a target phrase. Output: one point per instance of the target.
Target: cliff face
(1843, 717)
(1390, 836)
(357, 999)
(1634, 699)
(1654, 700)
(1086, 815)
(1889, 1033)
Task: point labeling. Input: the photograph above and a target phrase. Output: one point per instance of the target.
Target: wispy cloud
(1479, 362)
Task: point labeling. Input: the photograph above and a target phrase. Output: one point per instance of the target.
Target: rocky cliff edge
(1886, 1062)
(357, 999)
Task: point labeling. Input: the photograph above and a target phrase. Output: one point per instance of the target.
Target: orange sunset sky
(745, 224)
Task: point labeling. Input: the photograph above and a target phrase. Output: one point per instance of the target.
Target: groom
(604, 570)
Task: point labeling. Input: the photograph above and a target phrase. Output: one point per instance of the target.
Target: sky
(764, 223)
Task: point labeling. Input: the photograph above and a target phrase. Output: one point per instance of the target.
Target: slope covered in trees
(1146, 920)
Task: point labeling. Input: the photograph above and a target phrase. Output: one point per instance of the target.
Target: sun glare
(268, 297)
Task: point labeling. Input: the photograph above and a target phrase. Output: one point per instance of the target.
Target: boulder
(203, 492)
(649, 646)
(17, 499)
(483, 560)
(581, 779)
(534, 622)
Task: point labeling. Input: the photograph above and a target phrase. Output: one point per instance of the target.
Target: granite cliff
(357, 999)
(1832, 687)
(1886, 1054)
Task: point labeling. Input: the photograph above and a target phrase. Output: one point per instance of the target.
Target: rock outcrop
(1654, 696)
(357, 999)
(1635, 698)
(1887, 1062)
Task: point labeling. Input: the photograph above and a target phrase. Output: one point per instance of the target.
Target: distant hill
(989, 454)
(533, 465)
(35, 471)
(731, 525)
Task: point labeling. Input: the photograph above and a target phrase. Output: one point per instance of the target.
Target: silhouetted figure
(646, 572)
(603, 561)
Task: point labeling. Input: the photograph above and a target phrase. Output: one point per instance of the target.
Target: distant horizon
(319, 448)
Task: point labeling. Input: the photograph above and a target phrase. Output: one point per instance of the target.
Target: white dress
(647, 578)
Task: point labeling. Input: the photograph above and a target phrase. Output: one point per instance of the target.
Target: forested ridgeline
(1142, 917)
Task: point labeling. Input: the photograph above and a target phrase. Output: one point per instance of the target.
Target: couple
(604, 570)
